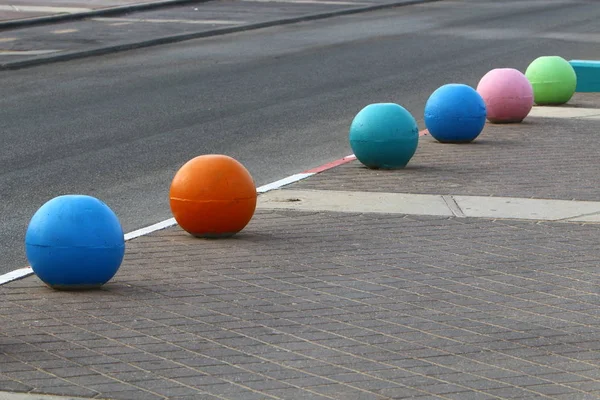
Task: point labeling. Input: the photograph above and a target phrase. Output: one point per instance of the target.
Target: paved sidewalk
(345, 305)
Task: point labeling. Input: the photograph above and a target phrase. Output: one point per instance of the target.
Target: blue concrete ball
(384, 135)
(74, 242)
(455, 113)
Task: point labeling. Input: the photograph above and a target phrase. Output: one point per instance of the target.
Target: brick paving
(321, 305)
(539, 158)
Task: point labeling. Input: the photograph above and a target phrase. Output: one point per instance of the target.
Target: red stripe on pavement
(332, 164)
(345, 160)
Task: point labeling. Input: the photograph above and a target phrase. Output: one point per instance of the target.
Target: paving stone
(14, 386)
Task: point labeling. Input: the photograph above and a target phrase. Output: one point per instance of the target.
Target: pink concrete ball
(508, 95)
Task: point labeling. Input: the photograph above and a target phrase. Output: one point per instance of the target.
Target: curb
(52, 19)
(196, 35)
(25, 272)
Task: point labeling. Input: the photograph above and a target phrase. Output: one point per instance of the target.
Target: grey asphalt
(279, 99)
(112, 30)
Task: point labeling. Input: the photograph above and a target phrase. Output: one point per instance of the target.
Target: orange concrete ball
(213, 196)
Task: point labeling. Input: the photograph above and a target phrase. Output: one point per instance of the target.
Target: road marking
(171, 21)
(14, 275)
(26, 52)
(564, 112)
(283, 182)
(62, 31)
(6, 40)
(332, 164)
(341, 3)
(420, 204)
(152, 228)
(43, 9)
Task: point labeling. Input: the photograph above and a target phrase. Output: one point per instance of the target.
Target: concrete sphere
(455, 113)
(75, 242)
(553, 80)
(507, 94)
(212, 196)
(384, 135)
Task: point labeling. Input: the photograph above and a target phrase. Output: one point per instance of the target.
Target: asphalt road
(280, 100)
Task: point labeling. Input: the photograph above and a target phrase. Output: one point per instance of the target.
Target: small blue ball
(455, 113)
(384, 135)
(74, 242)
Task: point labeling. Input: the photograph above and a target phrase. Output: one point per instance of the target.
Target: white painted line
(282, 182)
(172, 21)
(564, 112)
(357, 202)
(14, 275)
(341, 3)
(43, 9)
(26, 52)
(152, 228)
(9, 39)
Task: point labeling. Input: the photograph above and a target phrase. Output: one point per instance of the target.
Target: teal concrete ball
(384, 136)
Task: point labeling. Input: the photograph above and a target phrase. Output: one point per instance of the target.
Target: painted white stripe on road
(152, 228)
(172, 21)
(419, 204)
(14, 275)
(43, 9)
(282, 182)
(564, 112)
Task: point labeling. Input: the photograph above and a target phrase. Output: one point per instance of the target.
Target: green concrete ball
(553, 80)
